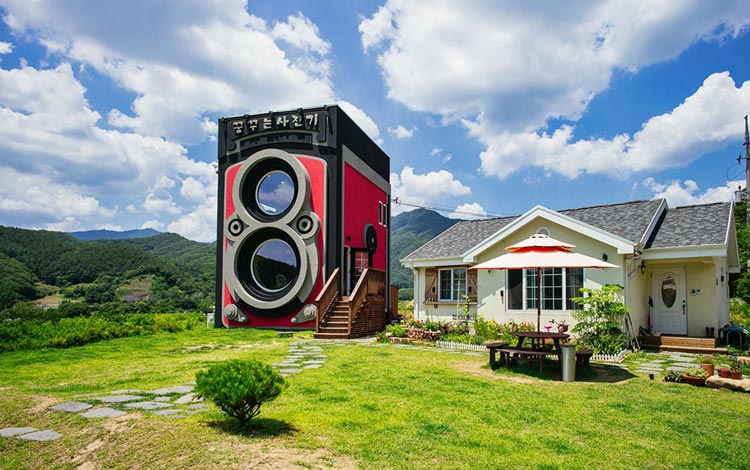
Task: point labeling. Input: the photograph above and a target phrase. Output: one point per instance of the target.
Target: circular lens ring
(244, 264)
(272, 194)
(267, 261)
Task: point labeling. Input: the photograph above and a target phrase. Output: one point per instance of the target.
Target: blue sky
(108, 110)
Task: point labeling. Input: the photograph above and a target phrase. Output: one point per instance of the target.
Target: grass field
(368, 406)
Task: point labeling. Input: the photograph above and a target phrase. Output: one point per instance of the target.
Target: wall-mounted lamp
(604, 257)
(643, 267)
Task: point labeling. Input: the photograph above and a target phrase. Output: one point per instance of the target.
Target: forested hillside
(409, 231)
(179, 273)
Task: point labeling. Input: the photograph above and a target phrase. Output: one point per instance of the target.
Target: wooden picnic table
(537, 349)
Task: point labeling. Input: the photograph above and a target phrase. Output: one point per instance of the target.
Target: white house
(674, 265)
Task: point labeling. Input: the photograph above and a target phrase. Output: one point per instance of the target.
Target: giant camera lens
(275, 193)
(274, 265)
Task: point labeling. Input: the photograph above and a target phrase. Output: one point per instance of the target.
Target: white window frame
(525, 302)
(453, 288)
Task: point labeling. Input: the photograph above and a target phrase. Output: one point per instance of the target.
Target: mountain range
(102, 260)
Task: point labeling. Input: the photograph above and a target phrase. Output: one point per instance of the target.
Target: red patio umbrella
(538, 252)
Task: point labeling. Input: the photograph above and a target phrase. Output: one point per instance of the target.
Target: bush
(396, 330)
(239, 388)
(598, 324)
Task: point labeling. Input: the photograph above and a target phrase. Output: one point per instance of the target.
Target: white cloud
(185, 59)
(706, 121)
(199, 225)
(153, 224)
(301, 33)
(686, 193)
(424, 188)
(400, 132)
(518, 65)
(5, 47)
(23, 194)
(469, 212)
(161, 201)
(363, 120)
(435, 151)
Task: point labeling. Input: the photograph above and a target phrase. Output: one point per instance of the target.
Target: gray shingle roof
(628, 220)
(682, 226)
(693, 226)
(458, 238)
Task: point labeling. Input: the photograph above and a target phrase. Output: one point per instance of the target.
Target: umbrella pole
(538, 299)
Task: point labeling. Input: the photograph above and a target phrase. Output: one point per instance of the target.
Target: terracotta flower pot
(697, 381)
(709, 368)
(723, 372)
(736, 374)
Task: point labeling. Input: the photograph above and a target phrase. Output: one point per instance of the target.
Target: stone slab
(313, 366)
(290, 371)
(41, 436)
(125, 392)
(105, 412)
(71, 407)
(185, 399)
(198, 406)
(120, 398)
(10, 432)
(148, 405)
(171, 390)
(163, 399)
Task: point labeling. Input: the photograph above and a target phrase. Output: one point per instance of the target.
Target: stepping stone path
(173, 402)
(303, 355)
(658, 363)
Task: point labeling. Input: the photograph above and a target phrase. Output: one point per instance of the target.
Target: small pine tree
(239, 388)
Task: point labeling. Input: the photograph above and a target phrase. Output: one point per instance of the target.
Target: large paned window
(559, 286)
(452, 283)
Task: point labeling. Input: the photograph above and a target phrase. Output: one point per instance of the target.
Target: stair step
(330, 336)
(333, 329)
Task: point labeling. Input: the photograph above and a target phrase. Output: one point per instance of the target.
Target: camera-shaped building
(303, 215)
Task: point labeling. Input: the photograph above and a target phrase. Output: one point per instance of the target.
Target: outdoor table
(538, 337)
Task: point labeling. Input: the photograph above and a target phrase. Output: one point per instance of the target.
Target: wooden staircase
(681, 344)
(361, 314)
(336, 323)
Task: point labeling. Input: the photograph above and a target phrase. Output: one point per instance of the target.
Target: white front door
(670, 308)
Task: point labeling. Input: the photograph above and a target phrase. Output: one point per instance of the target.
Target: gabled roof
(693, 226)
(629, 220)
(636, 222)
(459, 238)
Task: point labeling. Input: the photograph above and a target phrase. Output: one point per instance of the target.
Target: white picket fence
(610, 357)
(454, 345)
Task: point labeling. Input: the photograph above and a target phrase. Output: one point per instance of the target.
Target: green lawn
(369, 406)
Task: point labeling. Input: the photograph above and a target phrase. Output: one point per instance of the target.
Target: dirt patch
(83, 453)
(42, 403)
(266, 455)
(122, 423)
(477, 369)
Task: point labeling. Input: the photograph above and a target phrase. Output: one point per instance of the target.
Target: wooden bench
(493, 348)
(508, 353)
(583, 358)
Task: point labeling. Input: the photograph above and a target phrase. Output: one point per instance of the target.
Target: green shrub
(598, 324)
(239, 388)
(396, 330)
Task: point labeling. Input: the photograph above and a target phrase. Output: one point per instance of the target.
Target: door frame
(681, 273)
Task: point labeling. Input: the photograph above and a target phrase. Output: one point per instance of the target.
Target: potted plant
(723, 372)
(707, 364)
(562, 327)
(735, 368)
(696, 376)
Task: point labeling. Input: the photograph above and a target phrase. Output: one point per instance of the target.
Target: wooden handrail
(327, 297)
(372, 281)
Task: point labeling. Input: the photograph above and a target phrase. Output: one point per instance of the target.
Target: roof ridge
(611, 205)
(702, 205)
